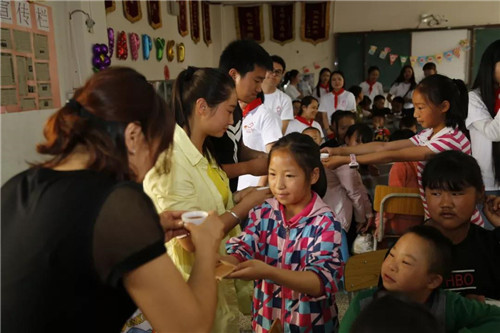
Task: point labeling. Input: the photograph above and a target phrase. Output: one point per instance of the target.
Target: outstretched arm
(415, 153)
(368, 148)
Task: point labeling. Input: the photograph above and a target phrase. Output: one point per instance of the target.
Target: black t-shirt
(68, 237)
(476, 264)
(226, 147)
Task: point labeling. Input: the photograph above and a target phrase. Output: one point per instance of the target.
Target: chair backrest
(362, 271)
(398, 200)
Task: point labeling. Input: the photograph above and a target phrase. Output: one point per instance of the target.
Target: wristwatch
(353, 164)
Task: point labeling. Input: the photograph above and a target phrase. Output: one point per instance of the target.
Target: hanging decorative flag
(282, 23)
(448, 55)
(413, 60)
(160, 48)
(249, 23)
(205, 19)
(430, 58)
(315, 22)
(403, 60)
(392, 58)
(383, 53)
(439, 57)
(316, 65)
(421, 60)
(464, 44)
(305, 69)
(372, 50)
(456, 51)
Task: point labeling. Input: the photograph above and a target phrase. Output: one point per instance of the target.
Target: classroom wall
(21, 131)
(352, 16)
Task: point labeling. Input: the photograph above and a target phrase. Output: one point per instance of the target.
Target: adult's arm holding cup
(177, 306)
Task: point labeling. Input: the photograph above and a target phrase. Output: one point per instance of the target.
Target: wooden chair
(395, 200)
(362, 271)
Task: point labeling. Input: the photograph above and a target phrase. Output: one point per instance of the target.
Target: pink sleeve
(350, 179)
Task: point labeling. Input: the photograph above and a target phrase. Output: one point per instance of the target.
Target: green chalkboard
(350, 57)
(482, 37)
(353, 58)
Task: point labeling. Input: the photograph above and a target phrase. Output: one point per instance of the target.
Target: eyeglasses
(277, 72)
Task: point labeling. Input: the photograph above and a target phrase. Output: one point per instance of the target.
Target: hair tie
(109, 126)
(189, 72)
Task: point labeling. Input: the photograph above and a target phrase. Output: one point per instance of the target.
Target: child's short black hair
(340, 114)
(441, 249)
(378, 115)
(373, 68)
(407, 122)
(243, 55)
(279, 60)
(306, 153)
(429, 66)
(365, 133)
(401, 134)
(310, 128)
(452, 170)
(398, 99)
(366, 102)
(378, 98)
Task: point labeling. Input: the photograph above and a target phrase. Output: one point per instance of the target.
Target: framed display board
(29, 79)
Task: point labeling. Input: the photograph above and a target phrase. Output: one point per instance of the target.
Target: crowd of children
(282, 172)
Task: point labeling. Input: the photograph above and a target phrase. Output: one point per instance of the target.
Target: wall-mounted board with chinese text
(29, 79)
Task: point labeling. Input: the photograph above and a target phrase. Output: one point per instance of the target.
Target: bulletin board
(29, 79)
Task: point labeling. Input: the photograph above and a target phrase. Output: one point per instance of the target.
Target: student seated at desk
(415, 267)
(453, 186)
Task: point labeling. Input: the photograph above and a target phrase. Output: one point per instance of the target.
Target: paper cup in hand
(324, 156)
(197, 217)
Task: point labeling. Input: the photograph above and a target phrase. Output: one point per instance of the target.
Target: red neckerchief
(497, 101)
(370, 84)
(336, 94)
(252, 105)
(304, 120)
(325, 86)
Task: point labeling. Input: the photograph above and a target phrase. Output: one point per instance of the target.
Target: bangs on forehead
(447, 179)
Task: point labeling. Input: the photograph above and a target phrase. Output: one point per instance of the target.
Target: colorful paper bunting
(413, 60)
(372, 50)
(392, 58)
(439, 57)
(421, 60)
(430, 58)
(403, 60)
(448, 55)
(456, 51)
(384, 53)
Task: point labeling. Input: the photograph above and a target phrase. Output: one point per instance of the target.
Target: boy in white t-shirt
(274, 99)
(260, 129)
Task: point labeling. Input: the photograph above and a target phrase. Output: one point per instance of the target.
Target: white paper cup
(324, 156)
(195, 217)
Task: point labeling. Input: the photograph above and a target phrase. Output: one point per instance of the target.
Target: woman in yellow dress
(203, 100)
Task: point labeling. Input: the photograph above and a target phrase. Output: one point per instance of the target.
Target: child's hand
(251, 270)
(333, 162)
(492, 210)
(238, 195)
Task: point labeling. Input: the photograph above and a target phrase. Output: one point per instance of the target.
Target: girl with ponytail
(203, 102)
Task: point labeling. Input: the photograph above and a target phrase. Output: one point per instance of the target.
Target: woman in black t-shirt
(82, 245)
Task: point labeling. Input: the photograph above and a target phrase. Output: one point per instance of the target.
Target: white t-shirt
(483, 131)
(346, 102)
(291, 91)
(399, 90)
(322, 92)
(377, 89)
(260, 127)
(280, 103)
(298, 126)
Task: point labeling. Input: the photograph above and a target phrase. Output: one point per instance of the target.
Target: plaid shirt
(310, 241)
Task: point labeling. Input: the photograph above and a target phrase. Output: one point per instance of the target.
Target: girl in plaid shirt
(291, 244)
